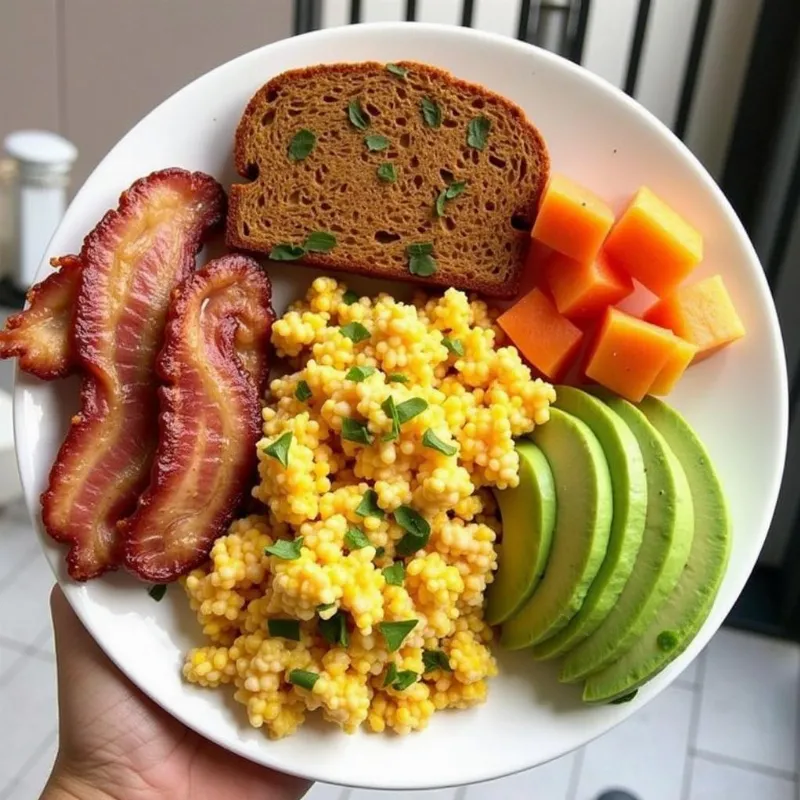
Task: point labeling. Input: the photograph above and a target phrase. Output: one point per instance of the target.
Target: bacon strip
(214, 370)
(131, 261)
(41, 335)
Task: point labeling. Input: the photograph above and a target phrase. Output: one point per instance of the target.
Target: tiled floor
(726, 730)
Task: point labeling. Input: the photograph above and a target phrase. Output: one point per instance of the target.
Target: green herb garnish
(279, 449)
(355, 539)
(404, 679)
(284, 628)
(325, 607)
(390, 409)
(395, 632)
(320, 242)
(478, 132)
(358, 374)
(410, 409)
(334, 630)
(157, 591)
(350, 297)
(394, 574)
(358, 116)
(454, 190)
(417, 530)
(375, 142)
(380, 551)
(354, 331)
(286, 252)
(386, 172)
(397, 70)
(431, 113)
(420, 260)
(303, 391)
(430, 439)
(397, 377)
(391, 674)
(286, 549)
(435, 659)
(303, 678)
(368, 507)
(455, 346)
(303, 142)
(354, 430)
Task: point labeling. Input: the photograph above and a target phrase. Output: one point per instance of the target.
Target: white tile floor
(726, 730)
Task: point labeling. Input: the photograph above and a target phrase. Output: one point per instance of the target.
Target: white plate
(736, 400)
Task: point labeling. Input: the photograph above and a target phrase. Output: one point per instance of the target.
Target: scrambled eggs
(360, 591)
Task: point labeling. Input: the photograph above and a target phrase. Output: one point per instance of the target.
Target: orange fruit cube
(546, 338)
(654, 244)
(702, 314)
(572, 220)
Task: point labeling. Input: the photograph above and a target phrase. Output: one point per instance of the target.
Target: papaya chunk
(628, 354)
(572, 220)
(702, 314)
(654, 244)
(546, 338)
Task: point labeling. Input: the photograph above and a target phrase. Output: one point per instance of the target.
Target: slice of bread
(480, 239)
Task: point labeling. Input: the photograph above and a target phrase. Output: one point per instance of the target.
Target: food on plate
(629, 497)
(213, 372)
(702, 314)
(687, 607)
(399, 171)
(661, 559)
(678, 360)
(572, 220)
(40, 336)
(580, 538)
(546, 338)
(583, 289)
(361, 591)
(130, 264)
(528, 512)
(654, 244)
(628, 354)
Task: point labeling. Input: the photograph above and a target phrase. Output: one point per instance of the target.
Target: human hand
(117, 744)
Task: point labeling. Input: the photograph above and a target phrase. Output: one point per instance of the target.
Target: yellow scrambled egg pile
(360, 591)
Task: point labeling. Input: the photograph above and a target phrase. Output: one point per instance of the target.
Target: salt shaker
(44, 161)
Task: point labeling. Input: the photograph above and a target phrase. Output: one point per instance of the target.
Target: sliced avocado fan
(665, 547)
(528, 512)
(686, 609)
(629, 490)
(580, 538)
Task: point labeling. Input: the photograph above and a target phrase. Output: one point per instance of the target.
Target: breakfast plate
(737, 401)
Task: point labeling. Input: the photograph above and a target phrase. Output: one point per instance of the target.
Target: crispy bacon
(131, 262)
(40, 337)
(213, 369)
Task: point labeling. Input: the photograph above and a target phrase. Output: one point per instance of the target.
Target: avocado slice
(686, 609)
(528, 512)
(629, 491)
(665, 547)
(580, 537)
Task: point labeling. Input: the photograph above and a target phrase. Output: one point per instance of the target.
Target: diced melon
(584, 289)
(628, 354)
(654, 244)
(546, 338)
(680, 358)
(572, 220)
(701, 313)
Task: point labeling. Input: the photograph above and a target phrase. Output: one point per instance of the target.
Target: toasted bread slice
(434, 130)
